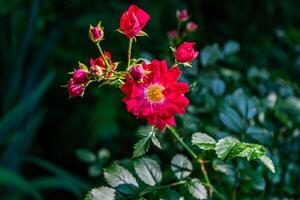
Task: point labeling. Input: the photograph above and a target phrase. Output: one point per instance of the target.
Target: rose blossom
(137, 73)
(75, 89)
(80, 76)
(185, 52)
(133, 21)
(182, 15)
(159, 97)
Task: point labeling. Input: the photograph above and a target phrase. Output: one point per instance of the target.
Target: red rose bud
(186, 53)
(182, 15)
(80, 76)
(96, 33)
(133, 21)
(101, 63)
(172, 34)
(137, 73)
(75, 89)
(96, 70)
(191, 26)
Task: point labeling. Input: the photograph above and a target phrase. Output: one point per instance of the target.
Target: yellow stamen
(154, 93)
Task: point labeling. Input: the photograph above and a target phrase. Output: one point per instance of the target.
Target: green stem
(178, 38)
(103, 55)
(176, 135)
(129, 52)
(194, 155)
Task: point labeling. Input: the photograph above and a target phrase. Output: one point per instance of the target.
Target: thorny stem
(129, 52)
(175, 134)
(201, 162)
(103, 55)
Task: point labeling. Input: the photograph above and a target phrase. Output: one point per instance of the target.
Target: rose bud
(96, 70)
(75, 89)
(137, 73)
(182, 15)
(96, 33)
(191, 26)
(172, 34)
(133, 21)
(101, 63)
(185, 52)
(80, 76)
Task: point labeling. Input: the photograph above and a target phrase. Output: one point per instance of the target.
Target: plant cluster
(152, 92)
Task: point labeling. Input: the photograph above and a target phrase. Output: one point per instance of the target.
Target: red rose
(185, 52)
(159, 97)
(133, 21)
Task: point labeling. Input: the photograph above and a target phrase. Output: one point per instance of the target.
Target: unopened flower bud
(80, 76)
(172, 34)
(182, 15)
(96, 33)
(75, 89)
(96, 70)
(191, 26)
(137, 73)
(186, 53)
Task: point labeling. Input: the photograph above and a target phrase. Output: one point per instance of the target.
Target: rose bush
(152, 91)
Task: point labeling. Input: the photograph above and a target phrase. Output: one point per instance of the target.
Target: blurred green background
(42, 40)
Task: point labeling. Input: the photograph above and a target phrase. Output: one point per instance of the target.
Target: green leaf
(148, 134)
(181, 166)
(232, 120)
(73, 180)
(121, 179)
(268, 163)
(260, 134)
(23, 108)
(12, 179)
(218, 87)
(155, 141)
(141, 147)
(103, 153)
(222, 167)
(249, 151)
(197, 190)
(95, 170)
(148, 171)
(231, 47)
(50, 183)
(211, 54)
(228, 148)
(86, 155)
(224, 146)
(169, 194)
(102, 193)
(204, 141)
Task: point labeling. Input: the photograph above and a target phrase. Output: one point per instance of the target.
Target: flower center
(154, 93)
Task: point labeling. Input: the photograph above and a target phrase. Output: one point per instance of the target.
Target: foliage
(244, 85)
